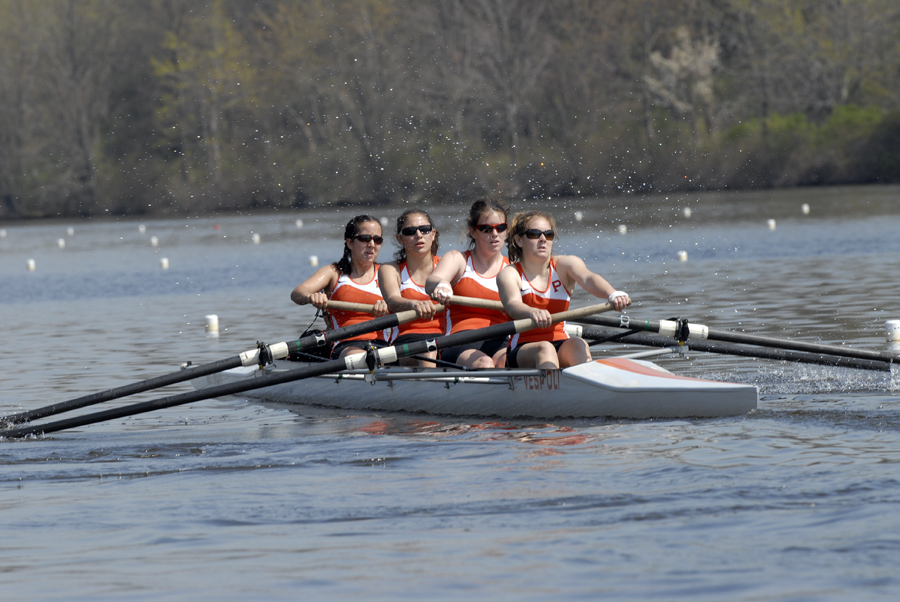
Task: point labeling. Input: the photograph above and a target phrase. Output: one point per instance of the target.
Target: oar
(803, 357)
(351, 362)
(692, 332)
(263, 354)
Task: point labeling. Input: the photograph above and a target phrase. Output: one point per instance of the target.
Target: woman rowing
(353, 278)
(473, 274)
(399, 281)
(536, 285)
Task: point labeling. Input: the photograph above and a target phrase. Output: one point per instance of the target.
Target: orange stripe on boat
(630, 366)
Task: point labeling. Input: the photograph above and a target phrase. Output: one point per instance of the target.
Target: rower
(353, 278)
(473, 274)
(399, 281)
(536, 284)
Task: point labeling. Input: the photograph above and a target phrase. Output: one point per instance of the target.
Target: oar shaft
(125, 390)
(348, 306)
(349, 362)
(479, 303)
(279, 351)
(703, 332)
(802, 357)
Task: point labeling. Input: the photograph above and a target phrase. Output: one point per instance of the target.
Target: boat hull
(615, 388)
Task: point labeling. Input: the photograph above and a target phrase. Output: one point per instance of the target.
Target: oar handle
(368, 309)
(479, 303)
(348, 306)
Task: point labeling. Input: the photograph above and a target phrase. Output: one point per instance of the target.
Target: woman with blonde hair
(538, 284)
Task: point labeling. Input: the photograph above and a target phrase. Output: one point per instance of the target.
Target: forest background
(175, 106)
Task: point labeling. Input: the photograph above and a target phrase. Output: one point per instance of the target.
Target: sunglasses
(366, 238)
(488, 228)
(411, 230)
(534, 234)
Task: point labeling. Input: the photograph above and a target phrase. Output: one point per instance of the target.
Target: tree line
(173, 106)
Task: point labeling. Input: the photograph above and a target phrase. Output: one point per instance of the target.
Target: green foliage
(158, 106)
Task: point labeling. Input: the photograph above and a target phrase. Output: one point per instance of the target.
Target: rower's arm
(316, 288)
(448, 270)
(389, 283)
(509, 286)
(572, 268)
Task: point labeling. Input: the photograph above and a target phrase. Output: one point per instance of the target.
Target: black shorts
(336, 352)
(488, 347)
(414, 337)
(513, 354)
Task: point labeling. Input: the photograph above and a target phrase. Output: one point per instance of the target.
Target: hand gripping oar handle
(699, 331)
(266, 379)
(263, 354)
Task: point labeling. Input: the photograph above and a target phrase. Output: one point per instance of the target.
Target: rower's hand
(442, 293)
(319, 300)
(541, 318)
(381, 309)
(620, 300)
(424, 309)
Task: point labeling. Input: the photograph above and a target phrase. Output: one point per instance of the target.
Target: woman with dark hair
(399, 281)
(353, 278)
(472, 274)
(537, 284)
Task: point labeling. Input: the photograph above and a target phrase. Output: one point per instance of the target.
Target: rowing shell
(614, 387)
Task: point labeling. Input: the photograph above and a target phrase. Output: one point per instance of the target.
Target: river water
(233, 500)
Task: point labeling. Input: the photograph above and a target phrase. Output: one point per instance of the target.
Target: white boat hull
(616, 388)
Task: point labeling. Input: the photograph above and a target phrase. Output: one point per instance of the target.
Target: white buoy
(154, 242)
(623, 229)
(61, 243)
(687, 212)
(70, 231)
(2, 233)
(384, 222)
(164, 263)
(313, 260)
(892, 328)
(142, 228)
(579, 216)
(682, 256)
(212, 324)
(299, 223)
(31, 265)
(804, 208)
(255, 238)
(771, 224)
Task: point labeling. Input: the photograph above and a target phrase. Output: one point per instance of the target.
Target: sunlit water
(232, 500)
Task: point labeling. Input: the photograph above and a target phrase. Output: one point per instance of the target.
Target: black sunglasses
(534, 234)
(487, 228)
(365, 238)
(411, 230)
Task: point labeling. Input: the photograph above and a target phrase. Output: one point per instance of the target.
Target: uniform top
(555, 298)
(473, 284)
(410, 289)
(348, 290)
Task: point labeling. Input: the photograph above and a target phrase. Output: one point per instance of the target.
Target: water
(232, 500)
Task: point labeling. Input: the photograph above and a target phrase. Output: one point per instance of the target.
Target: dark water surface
(232, 500)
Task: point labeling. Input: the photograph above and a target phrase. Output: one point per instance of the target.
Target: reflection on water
(227, 499)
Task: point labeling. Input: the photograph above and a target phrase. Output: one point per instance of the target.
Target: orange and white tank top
(410, 289)
(368, 293)
(473, 284)
(555, 298)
